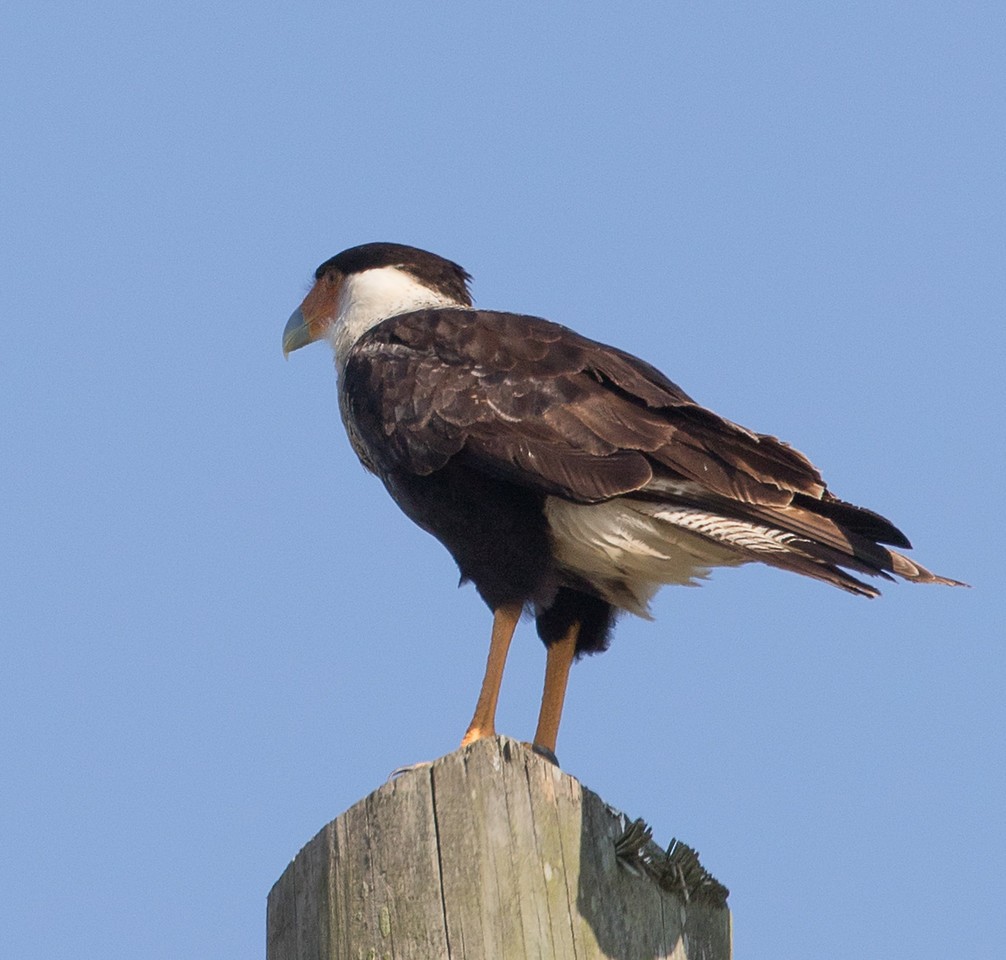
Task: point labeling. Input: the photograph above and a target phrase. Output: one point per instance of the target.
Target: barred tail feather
(628, 547)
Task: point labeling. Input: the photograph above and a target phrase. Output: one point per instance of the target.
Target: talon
(549, 755)
(474, 734)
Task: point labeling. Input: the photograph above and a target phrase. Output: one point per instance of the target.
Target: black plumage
(564, 476)
(473, 417)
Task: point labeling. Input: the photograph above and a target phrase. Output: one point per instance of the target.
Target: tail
(824, 538)
(909, 570)
(628, 547)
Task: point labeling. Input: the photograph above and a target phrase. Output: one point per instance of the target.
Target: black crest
(438, 273)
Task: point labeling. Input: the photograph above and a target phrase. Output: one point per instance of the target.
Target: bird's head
(364, 285)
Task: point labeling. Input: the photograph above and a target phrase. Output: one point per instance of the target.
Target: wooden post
(492, 853)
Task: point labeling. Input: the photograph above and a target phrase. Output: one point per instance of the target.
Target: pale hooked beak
(296, 333)
(312, 319)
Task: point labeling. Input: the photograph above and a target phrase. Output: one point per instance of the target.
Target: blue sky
(217, 631)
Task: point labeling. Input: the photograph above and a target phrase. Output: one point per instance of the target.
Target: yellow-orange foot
(476, 733)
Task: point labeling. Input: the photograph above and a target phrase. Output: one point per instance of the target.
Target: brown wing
(532, 402)
(537, 403)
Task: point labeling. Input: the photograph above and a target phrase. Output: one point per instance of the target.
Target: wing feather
(534, 403)
(547, 407)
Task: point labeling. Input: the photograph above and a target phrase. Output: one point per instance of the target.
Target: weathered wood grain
(491, 853)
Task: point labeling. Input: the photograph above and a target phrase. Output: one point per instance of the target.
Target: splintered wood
(492, 853)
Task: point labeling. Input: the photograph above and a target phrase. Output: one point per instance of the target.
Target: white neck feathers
(367, 298)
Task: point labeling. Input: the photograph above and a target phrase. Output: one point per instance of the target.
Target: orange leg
(559, 659)
(484, 722)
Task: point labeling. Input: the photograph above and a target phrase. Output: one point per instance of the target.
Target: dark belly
(498, 535)
(495, 531)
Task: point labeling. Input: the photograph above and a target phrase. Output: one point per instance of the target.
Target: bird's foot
(549, 755)
(477, 732)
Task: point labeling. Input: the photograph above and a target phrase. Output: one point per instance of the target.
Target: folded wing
(533, 403)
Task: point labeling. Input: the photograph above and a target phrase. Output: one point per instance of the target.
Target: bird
(568, 479)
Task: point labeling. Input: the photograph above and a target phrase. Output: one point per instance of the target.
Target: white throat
(367, 298)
